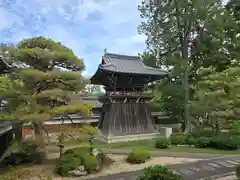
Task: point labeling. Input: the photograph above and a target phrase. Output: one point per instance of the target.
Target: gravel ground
(118, 166)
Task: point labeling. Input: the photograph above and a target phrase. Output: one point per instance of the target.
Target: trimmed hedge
(202, 142)
(138, 156)
(91, 163)
(68, 162)
(162, 143)
(225, 143)
(178, 139)
(73, 158)
(208, 138)
(159, 172)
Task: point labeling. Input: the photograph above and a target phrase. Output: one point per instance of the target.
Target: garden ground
(143, 144)
(120, 169)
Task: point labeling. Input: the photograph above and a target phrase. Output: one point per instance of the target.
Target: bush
(159, 172)
(68, 162)
(73, 158)
(138, 156)
(191, 140)
(225, 143)
(238, 171)
(91, 163)
(203, 133)
(177, 139)
(28, 151)
(202, 142)
(162, 143)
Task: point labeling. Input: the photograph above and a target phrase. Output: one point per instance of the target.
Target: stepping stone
(225, 164)
(214, 165)
(232, 162)
(186, 171)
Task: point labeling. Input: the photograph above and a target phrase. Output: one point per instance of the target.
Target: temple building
(125, 114)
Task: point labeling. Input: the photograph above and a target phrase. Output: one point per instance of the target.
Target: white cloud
(86, 26)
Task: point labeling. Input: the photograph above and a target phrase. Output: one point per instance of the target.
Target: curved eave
(96, 78)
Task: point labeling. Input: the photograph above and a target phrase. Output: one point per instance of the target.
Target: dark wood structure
(6, 136)
(125, 109)
(6, 130)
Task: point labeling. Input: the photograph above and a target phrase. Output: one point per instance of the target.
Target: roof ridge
(122, 56)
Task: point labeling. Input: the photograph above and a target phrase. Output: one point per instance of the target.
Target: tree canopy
(49, 77)
(185, 37)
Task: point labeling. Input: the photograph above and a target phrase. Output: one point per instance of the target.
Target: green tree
(46, 92)
(185, 35)
(218, 96)
(149, 59)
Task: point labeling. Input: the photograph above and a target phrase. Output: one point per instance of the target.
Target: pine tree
(218, 95)
(50, 77)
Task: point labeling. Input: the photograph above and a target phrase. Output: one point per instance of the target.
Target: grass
(144, 144)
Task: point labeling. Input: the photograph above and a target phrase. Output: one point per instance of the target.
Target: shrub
(159, 172)
(91, 163)
(225, 143)
(73, 158)
(202, 142)
(191, 140)
(68, 162)
(69, 151)
(138, 156)
(203, 133)
(177, 139)
(162, 143)
(28, 151)
(238, 171)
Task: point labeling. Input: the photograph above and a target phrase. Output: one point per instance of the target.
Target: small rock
(95, 152)
(80, 171)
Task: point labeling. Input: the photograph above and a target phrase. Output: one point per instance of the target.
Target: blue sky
(86, 26)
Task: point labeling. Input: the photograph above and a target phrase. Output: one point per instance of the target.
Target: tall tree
(218, 95)
(175, 30)
(46, 92)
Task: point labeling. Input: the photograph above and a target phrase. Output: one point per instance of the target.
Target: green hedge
(202, 142)
(68, 162)
(178, 139)
(73, 158)
(162, 143)
(138, 156)
(91, 163)
(159, 172)
(208, 138)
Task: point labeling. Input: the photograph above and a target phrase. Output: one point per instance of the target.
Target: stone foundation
(127, 138)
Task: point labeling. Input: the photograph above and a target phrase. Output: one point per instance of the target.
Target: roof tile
(128, 64)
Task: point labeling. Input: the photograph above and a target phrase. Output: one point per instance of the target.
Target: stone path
(191, 171)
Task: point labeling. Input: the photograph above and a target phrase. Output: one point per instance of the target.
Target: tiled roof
(128, 64)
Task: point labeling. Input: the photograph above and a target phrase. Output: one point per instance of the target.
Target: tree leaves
(44, 54)
(43, 92)
(219, 93)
